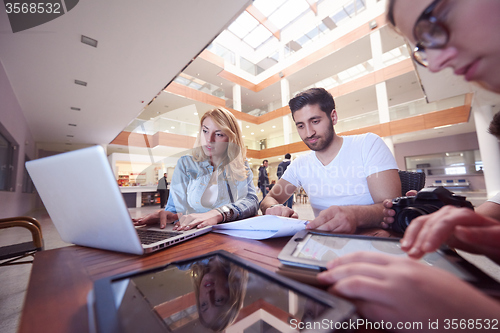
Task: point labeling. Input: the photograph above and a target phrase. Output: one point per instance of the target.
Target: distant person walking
(162, 190)
(281, 170)
(263, 178)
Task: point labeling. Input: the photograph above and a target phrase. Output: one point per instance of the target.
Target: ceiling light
(247, 126)
(262, 130)
(82, 83)
(242, 136)
(74, 125)
(196, 113)
(274, 126)
(173, 127)
(442, 126)
(88, 41)
(75, 109)
(251, 133)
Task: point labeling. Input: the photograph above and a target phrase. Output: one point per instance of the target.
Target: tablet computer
(311, 250)
(212, 293)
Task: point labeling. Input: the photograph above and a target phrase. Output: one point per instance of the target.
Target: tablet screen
(325, 248)
(212, 295)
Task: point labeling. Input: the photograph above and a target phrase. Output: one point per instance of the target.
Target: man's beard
(323, 142)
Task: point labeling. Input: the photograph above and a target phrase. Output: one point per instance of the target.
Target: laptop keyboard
(151, 236)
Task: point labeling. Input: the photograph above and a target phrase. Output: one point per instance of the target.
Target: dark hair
(264, 161)
(288, 156)
(495, 126)
(313, 96)
(390, 12)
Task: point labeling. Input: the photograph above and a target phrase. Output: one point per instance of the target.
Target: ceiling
(141, 48)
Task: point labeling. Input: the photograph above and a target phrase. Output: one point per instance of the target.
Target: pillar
(285, 92)
(285, 98)
(488, 145)
(237, 97)
(381, 88)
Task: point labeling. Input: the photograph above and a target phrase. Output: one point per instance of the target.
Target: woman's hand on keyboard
(198, 220)
(162, 216)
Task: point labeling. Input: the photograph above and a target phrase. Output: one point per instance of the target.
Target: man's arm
(346, 219)
(278, 195)
(489, 209)
(382, 185)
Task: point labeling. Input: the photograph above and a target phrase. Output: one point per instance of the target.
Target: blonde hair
(235, 157)
(237, 279)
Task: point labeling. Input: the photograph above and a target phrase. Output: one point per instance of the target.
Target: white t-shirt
(495, 198)
(343, 181)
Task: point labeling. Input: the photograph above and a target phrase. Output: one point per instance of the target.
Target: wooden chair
(10, 254)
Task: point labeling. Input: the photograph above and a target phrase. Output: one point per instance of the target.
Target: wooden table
(56, 299)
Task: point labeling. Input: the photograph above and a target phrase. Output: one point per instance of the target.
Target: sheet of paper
(261, 227)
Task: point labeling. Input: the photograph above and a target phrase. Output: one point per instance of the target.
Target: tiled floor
(14, 279)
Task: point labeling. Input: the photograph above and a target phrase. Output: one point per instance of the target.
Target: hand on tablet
(338, 219)
(403, 290)
(162, 216)
(458, 227)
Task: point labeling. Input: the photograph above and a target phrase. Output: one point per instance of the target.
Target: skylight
(288, 12)
(257, 36)
(243, 25)
(267, 7)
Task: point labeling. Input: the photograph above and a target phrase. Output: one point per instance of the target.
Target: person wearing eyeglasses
(461, 34)
(465, 36)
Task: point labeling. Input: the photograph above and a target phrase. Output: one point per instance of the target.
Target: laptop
(85, 204)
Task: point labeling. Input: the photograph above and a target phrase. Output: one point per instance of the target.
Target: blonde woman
(213, 184)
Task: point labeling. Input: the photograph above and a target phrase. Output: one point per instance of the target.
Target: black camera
(427, 201)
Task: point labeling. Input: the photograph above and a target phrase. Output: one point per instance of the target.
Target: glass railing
(200, 85)
(371, 118)
(340, 15)
(161, 124)
(401, 111)
(364, 120)
(421, 106)
(250, 67)
(271, 142)
(222, 52)
(395, 55)
(389, 58)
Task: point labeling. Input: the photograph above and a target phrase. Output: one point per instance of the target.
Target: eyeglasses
(429, 34)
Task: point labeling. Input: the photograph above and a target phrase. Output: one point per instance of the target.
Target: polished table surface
(61, 279)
